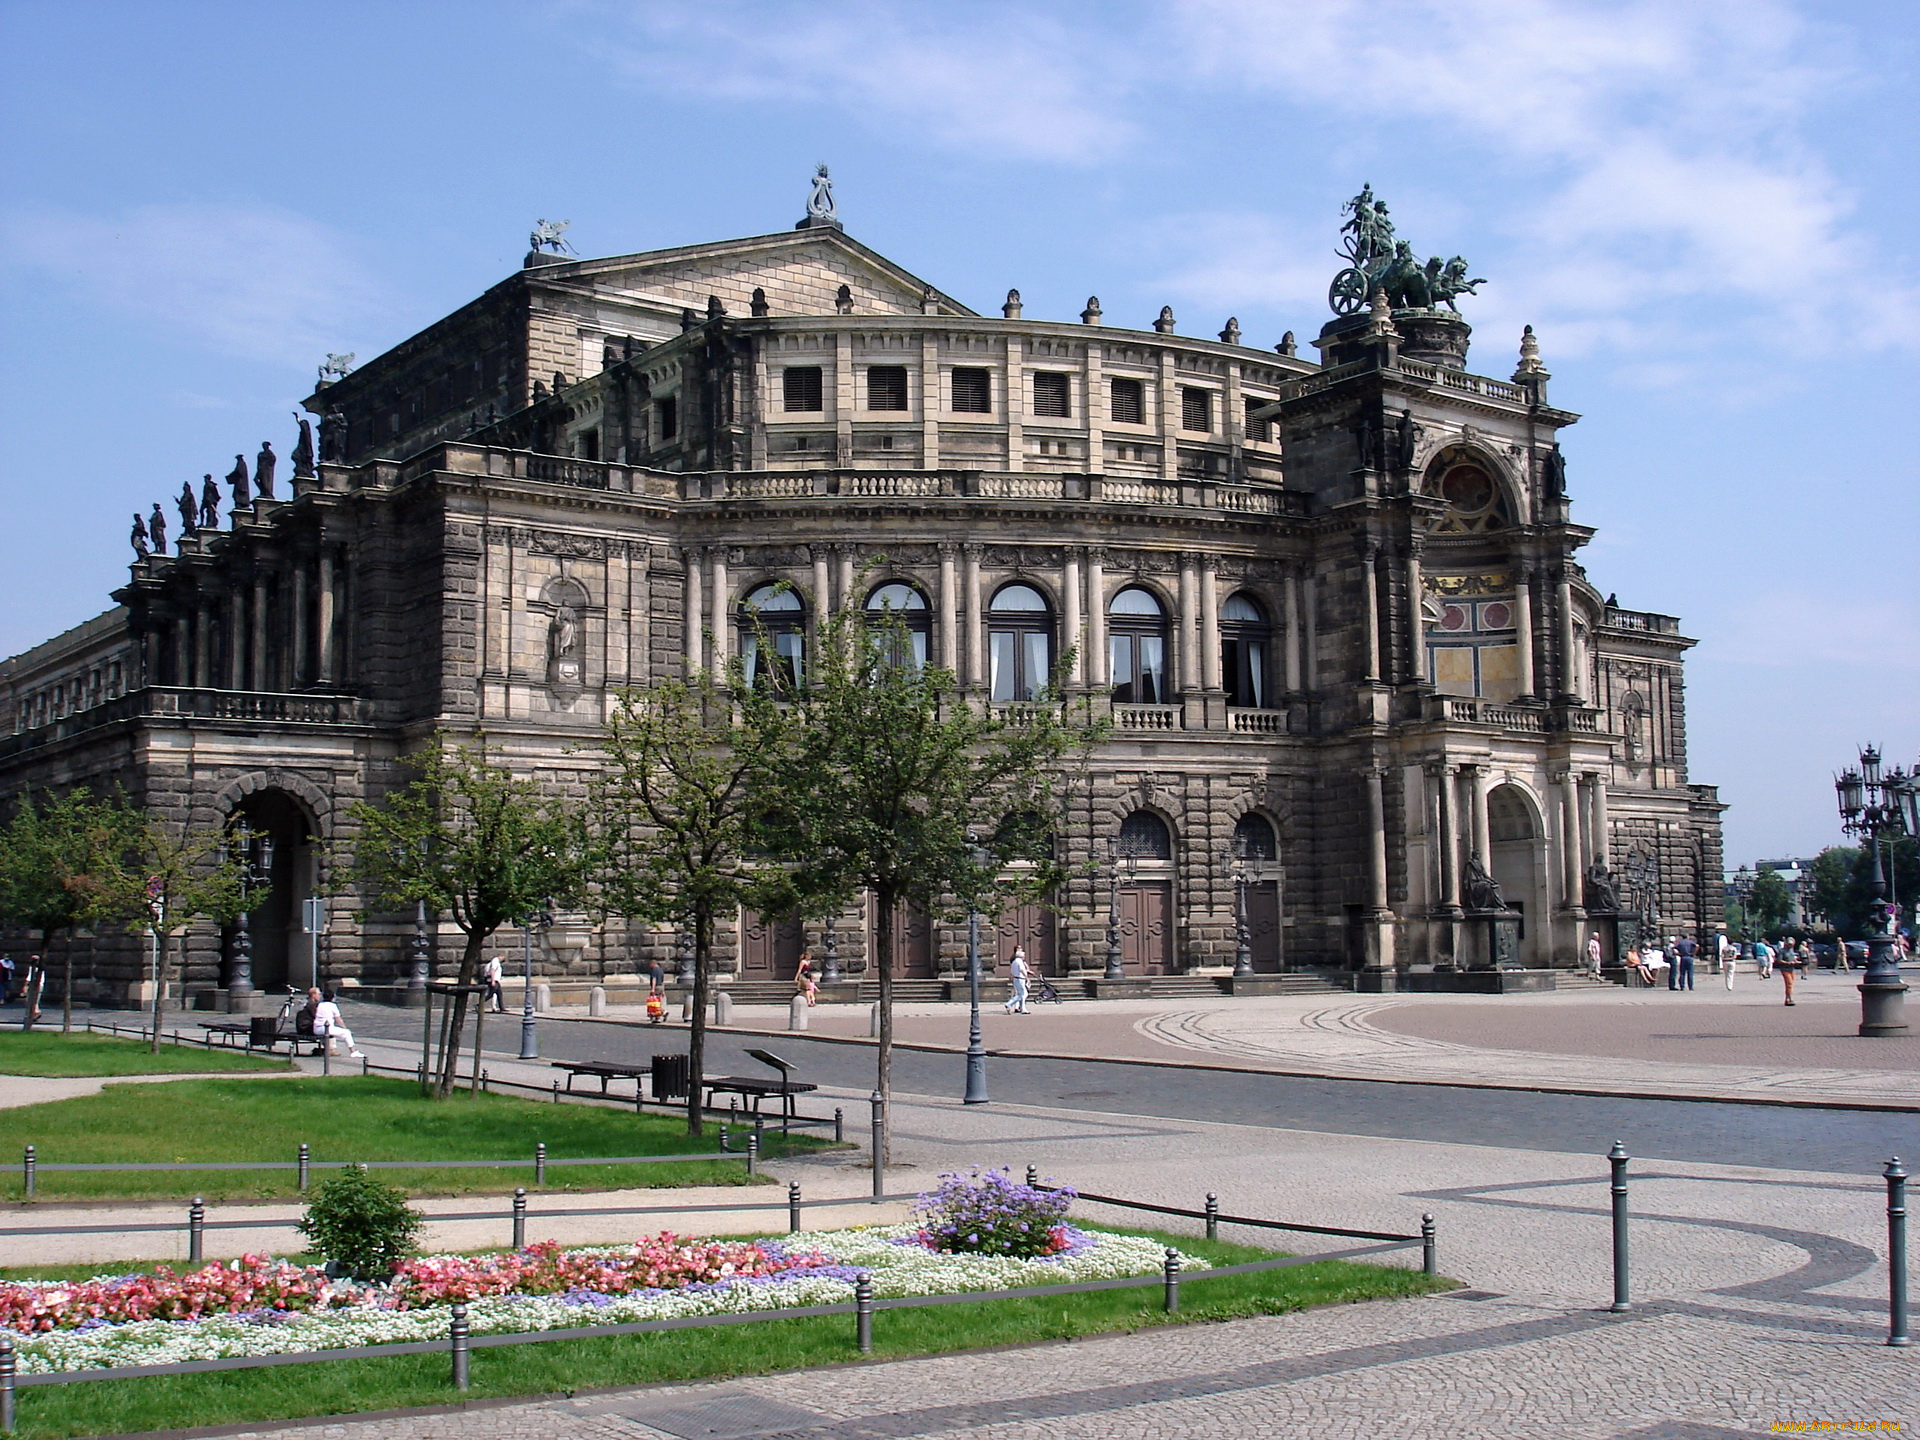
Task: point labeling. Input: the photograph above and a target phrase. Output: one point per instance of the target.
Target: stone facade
(1333, 607)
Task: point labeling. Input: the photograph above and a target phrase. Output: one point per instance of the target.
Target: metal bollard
(457, 1334)
(520, 1218)
(1897, 1254)
(863, 1314)
(556, 1092)
(726, 1140)
(540, 1162)
(879, 1104)
(753, 1154)
(1033, 1176)
(1622, 1274)
(326, 1057)
(1172, 1272)
(839, 1126)
(29, 1163)
(793, 1207)
(196, 1230)
(305, 1163)
(1213, 1216)
(366, 1065)
(1428, 1263)
(9, 1365)
(486, 1082)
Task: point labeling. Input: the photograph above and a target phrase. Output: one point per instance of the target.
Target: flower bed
(260, 1306)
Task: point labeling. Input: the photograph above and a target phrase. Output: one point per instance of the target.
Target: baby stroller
(1040, 988)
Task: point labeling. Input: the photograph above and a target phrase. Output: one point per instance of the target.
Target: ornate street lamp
(420, 971)
(830, 944)
(255, 849)
(1743, 879)
(1115, 969)
(686, 954)
(529, 1032)
(1235, 856)
(976, 1046)
(1873, 804)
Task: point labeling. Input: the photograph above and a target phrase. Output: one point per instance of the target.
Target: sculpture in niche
(565, 648)
(1482, 890)
(1602, 891)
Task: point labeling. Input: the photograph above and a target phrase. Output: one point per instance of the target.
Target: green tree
(1837, 889)
(49, 850)
(1771, 904)
(472, 839)
(901, 788)
(687, 773)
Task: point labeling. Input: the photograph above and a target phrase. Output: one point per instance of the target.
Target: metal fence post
(726, 1140)
(1213, 1216)
(863, 1314)
(486, 1082)
(29, 1162)
(793, 1207)
(366, 1065)
(305, 1164)
(540, 1162)
(1622, 1273)
(1897, 1253)
(1172, 1272)
(9, 1363)
(839, 1126)
(1033, 1176)
(520, 1218)
(196, 1230)
(1427, 1261)
(753, 1154)
(326, 1055)
(457, 1334)
(879, 1104)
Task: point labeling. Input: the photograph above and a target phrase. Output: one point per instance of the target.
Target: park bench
(605, 1071)
(757, 1088)
(229, 1033)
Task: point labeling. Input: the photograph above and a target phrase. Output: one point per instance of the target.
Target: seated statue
(1482, 890)
(1603, 893)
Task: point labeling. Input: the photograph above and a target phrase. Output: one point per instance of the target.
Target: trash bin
(669, 1077)
(261, 1030)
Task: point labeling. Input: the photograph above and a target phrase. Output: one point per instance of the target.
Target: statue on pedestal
(237, 478)
(264, 465)
(303, 449)
(1602, 895)
(189, 508)
(1482, 890)
(139, 536)
(157, 530)
(209, 504)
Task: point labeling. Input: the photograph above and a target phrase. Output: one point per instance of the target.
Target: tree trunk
(469, 972)
(885, 900)
(697, 1033)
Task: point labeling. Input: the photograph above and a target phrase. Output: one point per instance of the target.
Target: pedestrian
(329, 1025)
(1789, 965)
(656, 978)
(1671, 953)
(496, 977)
(1729, 960)
(1685, 952)
(803, 982)
(1593, 953)
(1763, 959)
(1017, 973)
(1654, 961)
(6, 979)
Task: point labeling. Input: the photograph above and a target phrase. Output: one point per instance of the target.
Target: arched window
(1137, 647)
(905, 606)
(1509, 817)
(1144, 836)
(1019, 643)
(1246, 640)
(1253, 838)
(773, 641)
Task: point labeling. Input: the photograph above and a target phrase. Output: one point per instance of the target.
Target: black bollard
(1622, 1274)
(540, 1163)
(753, 1154)
(793, 1207)
(1033, 1176)
(9, 1366)
(879, 1104)
(457, 1335)
(1213, 1216)
(520, 1219)
(29, 1163)
(863, 1314)
(1897, 1254)
(839, 1126)
(305, 1163)
(1172, 1273)
(196, 1230)
(1427, 1259)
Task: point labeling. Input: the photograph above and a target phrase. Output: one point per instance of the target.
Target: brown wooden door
(1263, 926)
(770, 949)
(912, 944)
(1031, 926)
(1146, 928)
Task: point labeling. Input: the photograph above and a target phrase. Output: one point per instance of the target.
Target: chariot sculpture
(1377, 261)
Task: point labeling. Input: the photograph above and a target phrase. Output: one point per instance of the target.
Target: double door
(1030, 927)
(1146, 927)
(770, 948)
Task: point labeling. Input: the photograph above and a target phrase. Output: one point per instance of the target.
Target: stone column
(203, 677)
(1416, 629)
(296, 628)
(1097, 658)
(1523, 630)
(1477, 816)
(1446, 840)
(976, 619)
(721, 608)
(1370, 609)
(845, 555)
(1376, 840)
(1597, 828)
(822, 594)
(1210, 623)
(1563, 602)
(1310, 631)
(236, 666)
(1070, 616)
(324, 627)
(1292, 618)
(259, 663)
(1572, 868)
(695, 607)
(949, 603)
(1188, 624)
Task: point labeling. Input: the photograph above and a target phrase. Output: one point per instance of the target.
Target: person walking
(6, 979)
(803, 983)
(1685, 953)
(1729, 960)
(1763, 959)
(1017, 973)
(1788, 964)
(1593, 954)
(329, 1025)
(496, 978)
(1671, 951)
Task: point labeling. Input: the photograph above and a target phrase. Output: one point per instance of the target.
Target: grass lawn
(49, 1053)
(566, 1366)
(342, 1118)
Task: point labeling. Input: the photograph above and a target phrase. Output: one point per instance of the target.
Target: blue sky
(1706, 210)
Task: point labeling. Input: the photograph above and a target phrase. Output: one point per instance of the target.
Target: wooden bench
(757, 1088)
(606, 1071)
(226, 1032)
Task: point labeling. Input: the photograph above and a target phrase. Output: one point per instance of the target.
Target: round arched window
(1137, 647)
(773, 641)
(1246, 644)
(903, 607)
(1253, 838)
(1144, 836)
(1019, 644)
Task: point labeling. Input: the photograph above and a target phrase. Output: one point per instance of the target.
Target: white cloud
(258, 282)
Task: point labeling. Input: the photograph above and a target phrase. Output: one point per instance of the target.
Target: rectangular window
(666, 414)
(886, 387)
(800, 387)
(1128, 403)
(1258, 429)
(1196, 409)
(589, 445)
(1052, 394)
(1003, 666)
(972, 390)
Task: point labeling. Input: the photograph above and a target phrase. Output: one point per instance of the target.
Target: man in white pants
(329, 1025)
(1593, 953)
(1017, 972)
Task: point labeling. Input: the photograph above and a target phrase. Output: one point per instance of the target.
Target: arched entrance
(1515, 837)
(283, 953)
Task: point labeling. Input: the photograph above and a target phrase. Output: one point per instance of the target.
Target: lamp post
(1743, 879)
(256, 870)
(830, 944)
(1235, 856)
(420, 972)
(1115, 969)
(976, 1047)
(1873, 804)
(529, 1031)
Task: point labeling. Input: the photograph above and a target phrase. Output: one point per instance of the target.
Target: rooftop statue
(822, 213)
(189, 508)
(337, 367)
(1377, 260)
(139, 537)
(264, 464)
(209, 505)
(303, 448)
(549, 235)
(157, 529)
(237, 478)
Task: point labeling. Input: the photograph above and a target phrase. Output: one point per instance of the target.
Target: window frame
(1023, 631)
(1131, 638)
(1057, 390)
(985, 376)
(917, 620)
(1194, 397)
(785, 628)
(1246, 655)
(791, 403)
(1138, 390)
(892, 373)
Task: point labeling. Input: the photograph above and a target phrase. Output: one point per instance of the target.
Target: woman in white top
(328, 1024)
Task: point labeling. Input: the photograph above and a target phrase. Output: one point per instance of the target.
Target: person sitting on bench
(328, 1024)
